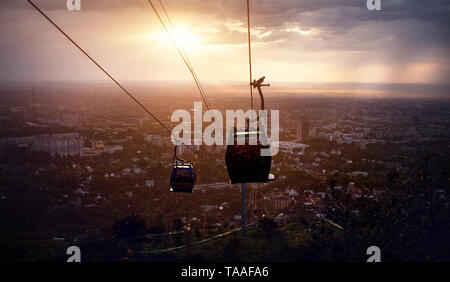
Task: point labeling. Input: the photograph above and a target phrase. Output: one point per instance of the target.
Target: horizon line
(225, 82)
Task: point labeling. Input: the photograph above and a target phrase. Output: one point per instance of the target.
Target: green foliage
(268, 225)
(129, 226)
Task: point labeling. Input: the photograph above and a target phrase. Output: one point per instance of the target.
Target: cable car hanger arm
(258, 84)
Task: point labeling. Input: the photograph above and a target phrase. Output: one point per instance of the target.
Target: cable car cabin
(245, 163)
(182, 178)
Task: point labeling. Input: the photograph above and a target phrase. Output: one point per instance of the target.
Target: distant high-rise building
(303, 129)
(312, 132)
(33, 102)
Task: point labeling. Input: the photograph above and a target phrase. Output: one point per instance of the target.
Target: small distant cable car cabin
(182, 178)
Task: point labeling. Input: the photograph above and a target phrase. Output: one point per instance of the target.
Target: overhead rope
(249, 53)
(197, 82)
(184, 52)
(103, 70)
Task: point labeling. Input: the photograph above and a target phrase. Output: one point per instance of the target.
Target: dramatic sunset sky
(293, 40)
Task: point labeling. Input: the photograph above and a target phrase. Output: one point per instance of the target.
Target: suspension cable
(184, 51)
(180, 53)
(249, 52)
(103, 70)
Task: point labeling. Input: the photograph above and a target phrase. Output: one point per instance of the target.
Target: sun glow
(182, 35)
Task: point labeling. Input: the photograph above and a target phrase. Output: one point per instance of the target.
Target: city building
(292, 147)
(68, 119)
(313, 133)
(303, 129)
(281, 203)
(153, 139)
(149, 183)
(64, 144)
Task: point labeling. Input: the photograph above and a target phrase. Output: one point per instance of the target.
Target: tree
(158, 225)
(233, 250)
(130, 226)
(268, 225)
(177, 224)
